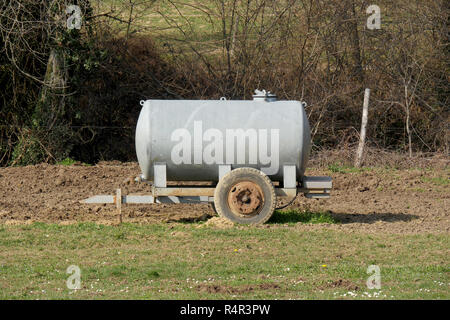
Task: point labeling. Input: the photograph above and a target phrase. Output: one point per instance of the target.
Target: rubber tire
(245, 174)
(214, 208)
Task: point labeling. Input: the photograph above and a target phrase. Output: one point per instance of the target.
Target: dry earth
(378, 200)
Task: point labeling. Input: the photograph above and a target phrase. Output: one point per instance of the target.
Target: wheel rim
(246, 198)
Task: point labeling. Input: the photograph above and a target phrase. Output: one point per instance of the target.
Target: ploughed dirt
(393, 201)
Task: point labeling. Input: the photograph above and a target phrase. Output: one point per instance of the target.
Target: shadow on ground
(293, 216)
(372, 217)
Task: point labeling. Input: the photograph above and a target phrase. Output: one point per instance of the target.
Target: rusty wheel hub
(246, 198)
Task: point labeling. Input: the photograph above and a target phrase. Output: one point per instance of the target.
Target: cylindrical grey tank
(194, 137)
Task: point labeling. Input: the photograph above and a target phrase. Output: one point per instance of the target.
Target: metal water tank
(194, 137)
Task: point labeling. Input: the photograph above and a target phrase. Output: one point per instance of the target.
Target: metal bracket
(317, 187)
(289, 177)
(160, 175)
(224, 169)
(319, 182)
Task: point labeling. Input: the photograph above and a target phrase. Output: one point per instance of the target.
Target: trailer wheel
(245, 195)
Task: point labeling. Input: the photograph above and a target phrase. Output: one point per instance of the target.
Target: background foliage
(75, 93)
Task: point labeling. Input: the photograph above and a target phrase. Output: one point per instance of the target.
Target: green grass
(340, 168)
(294, 216)
(185, 261)
(70, 162)
(439, 181)
(67, 162)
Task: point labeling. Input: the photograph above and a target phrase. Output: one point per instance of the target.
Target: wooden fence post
(362, 136)
(119, 204)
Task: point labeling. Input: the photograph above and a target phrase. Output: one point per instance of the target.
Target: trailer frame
(313, 187)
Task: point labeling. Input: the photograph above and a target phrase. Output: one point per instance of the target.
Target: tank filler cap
(264, 96)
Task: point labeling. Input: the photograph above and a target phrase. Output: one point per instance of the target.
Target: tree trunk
(354, 42)
(51, 101)
(48, 117)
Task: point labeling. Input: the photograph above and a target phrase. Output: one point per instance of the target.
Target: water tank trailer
(250, 151)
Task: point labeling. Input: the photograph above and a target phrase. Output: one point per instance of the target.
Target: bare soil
(378, 200)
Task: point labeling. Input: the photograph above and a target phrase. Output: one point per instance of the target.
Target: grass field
(190, 20)
(198, 261)
(189, 24)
